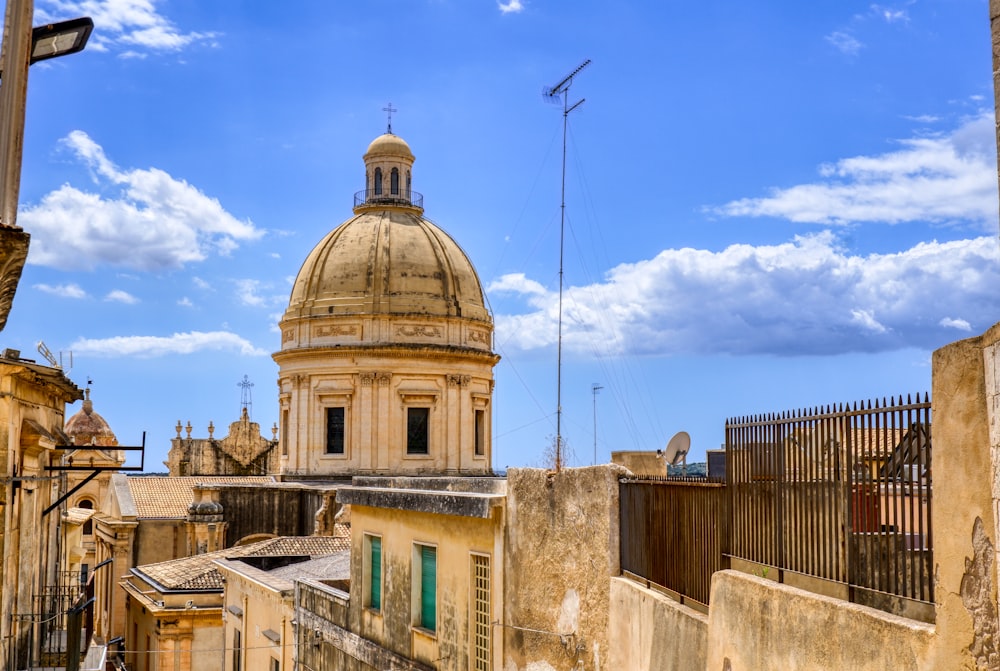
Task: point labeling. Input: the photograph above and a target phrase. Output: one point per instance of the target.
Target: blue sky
(769, 205)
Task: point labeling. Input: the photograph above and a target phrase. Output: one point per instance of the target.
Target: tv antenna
(552, 94)
(47, 353)
(677, 449)
(246, 395)
(594, 388)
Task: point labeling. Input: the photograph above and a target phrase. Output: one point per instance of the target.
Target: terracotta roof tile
(200, 573)
(167, 497)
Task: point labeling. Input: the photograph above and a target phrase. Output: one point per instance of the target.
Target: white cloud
(145, 347)
(201, 284)
(155, 222)
(119, 296)
(942, 178)
(125, 23)
(510, 7)
(844, 42)
(923, 118)
(185, 302)
(960, 324)
(62, 290)
(248, 293)
(890, 14)
(807, 296)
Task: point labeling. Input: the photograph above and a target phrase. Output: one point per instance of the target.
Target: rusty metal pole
(14, 63)
(13, 96)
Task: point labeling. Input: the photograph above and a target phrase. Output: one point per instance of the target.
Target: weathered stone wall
(653, 632)
(560, 550)
(281, 511)
(964, 523)
(756, 624)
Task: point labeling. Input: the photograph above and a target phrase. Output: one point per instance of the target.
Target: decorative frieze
(335, 330)
(478, 336)
(421, 330)
(287, 335)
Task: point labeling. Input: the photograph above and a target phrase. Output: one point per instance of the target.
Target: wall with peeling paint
(965, 522)
(560, 551)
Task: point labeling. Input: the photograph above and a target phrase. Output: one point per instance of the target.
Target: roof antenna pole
(562, 89)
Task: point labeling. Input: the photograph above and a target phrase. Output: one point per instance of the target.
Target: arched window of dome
(88, 526)
(378, 181)
(408, 184)
(394, 182)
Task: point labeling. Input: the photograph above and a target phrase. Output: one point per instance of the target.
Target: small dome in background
(87, 427)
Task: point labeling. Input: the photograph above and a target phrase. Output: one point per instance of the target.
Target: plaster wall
(560, 550)
(756, 624)
(456, 538)
(263, 609)
(964, 392)
(653, 632)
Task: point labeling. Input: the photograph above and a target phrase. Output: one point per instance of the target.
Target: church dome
(87, 427)
(388, 259)
(388, 144)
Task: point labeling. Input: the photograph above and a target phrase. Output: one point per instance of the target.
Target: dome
(388, 259)
(387, 262)
(389, 145)
(87, 427)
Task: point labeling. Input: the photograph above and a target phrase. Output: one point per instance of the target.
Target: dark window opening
(480, 433)
(417, 424)
(394, 182)
(378, 181)
(335, 430)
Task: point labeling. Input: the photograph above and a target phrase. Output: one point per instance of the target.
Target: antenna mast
(246, 395)
(562, 89)
(594, 388)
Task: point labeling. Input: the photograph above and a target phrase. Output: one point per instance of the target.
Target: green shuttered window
(428, 587)
(376, 571)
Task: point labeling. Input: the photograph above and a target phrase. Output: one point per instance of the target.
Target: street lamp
(22, 46)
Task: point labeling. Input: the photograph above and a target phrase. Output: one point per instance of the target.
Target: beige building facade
(33, 400)
(386, 361)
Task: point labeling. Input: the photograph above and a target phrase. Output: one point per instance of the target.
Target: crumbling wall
(965, 456)
(560, 550)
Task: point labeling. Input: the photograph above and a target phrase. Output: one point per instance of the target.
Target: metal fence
(839, 493)
(674, 533)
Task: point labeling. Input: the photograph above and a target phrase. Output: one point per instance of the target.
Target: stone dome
(87, 427)
(389, 145)
(387, 262)
(388, 259)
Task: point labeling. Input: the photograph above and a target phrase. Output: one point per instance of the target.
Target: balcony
(371, 197)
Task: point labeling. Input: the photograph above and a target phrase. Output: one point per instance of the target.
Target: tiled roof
(167, 497)
(200, 573)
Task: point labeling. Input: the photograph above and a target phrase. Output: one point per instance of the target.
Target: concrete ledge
(755, 623)
(651, 631)
(422, 501)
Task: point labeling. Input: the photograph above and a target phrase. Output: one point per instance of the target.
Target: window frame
(368, 594)
(415, 451)
(327, 433)
(423, 588)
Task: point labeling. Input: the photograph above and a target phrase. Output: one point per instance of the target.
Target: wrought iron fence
(841, 493)
(404, 197)
(674, 532)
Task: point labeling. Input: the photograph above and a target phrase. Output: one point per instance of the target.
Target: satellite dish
(677, 449)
